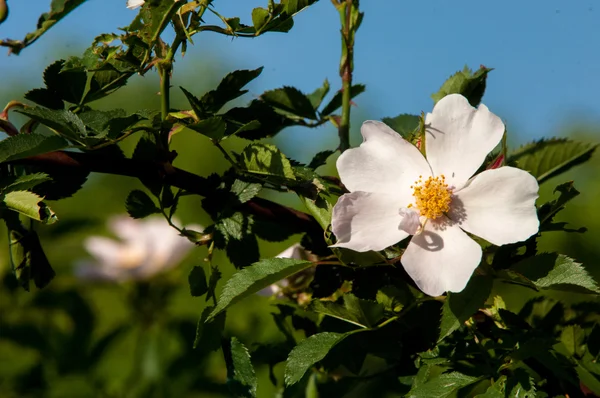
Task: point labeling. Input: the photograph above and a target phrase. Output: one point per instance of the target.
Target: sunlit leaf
(307, 353)
(241, 378)
(255, 278)
(470, 85)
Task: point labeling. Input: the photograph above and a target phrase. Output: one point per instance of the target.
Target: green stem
(227, 156)
(346, 63)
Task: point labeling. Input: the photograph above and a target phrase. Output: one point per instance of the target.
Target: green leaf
(111, 124)
(139, 204)
(403, 124)
(290, 102)
(321, 208)
(30, 205)
(58, 10)
(260, 17)
(230, 88)
(548, 158)
(470, 85)
(255, 278)
(245, 190)
(336, 101)
(213, 127)
(258, 120)
(267, 160)
(360, 312)
(64, 122)
(316, 97)
(208, 333)
(234, 234)
(520, 385)
(28, 259)
(459, 307)
(320, 159)
(593, 342)
(392, 298)
(547, 211)
(573, 338)
(442, 386)
(45, 97)
(496, 390)
(307, 353)
(241, 378)
(24, 145)
(23, 183)
(556, 271)
(197, 282)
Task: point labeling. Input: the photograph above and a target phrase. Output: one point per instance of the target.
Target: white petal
(385, 162)
(131, 4)
(459, 137)
(498, 205)
(295, 251)
(441, 259)
(125, 228)
(410, 221)
(107, 251)
(364, 221)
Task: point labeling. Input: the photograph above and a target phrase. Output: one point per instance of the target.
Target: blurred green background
(78, 339)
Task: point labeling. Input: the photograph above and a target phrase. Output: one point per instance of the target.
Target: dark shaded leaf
(139, 204)
(320, 159)
(208, 333)
(197, 282)
(290, 101)
(459, 307)
(213, 127)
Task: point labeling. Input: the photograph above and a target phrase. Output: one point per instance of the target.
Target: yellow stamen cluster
(432, 197)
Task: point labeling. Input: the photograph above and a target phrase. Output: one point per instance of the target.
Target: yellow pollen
(432, 197)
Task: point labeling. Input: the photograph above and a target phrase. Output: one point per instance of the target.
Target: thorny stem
(163, 173)
(345, 8)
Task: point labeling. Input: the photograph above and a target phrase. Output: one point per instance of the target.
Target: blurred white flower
(145, 248)
(297, 252)
(396, 192)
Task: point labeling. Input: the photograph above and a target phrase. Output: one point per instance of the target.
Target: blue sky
(546, 53)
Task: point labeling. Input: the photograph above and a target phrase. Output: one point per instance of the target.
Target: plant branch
(347, 9)
(165, 173)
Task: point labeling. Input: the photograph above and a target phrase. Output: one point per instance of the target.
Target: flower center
(432, 196)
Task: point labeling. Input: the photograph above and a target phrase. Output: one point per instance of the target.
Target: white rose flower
(146, 247)
(396, 192)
